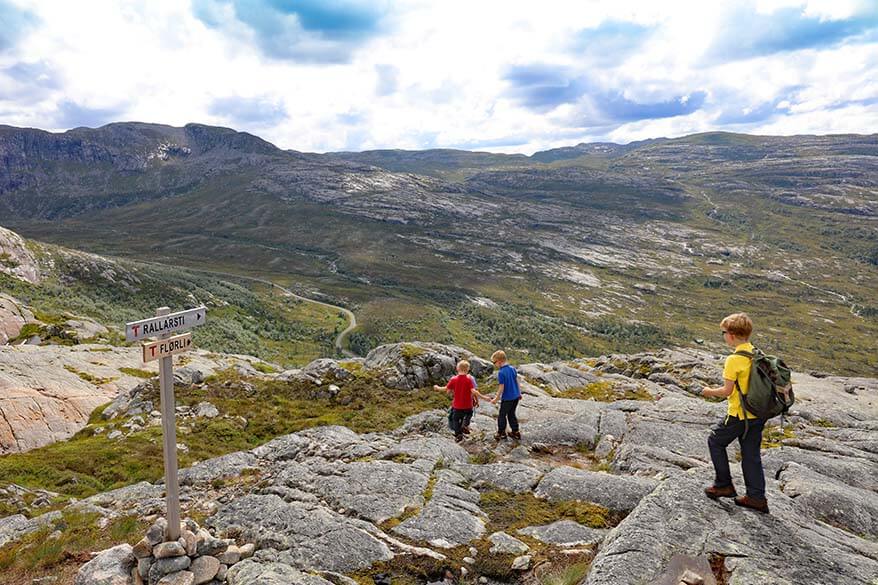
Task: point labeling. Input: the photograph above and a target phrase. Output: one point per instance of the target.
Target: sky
(497, 75)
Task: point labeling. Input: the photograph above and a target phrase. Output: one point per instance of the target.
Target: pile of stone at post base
(193, 559)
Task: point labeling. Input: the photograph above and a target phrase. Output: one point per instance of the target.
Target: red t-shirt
(462, 387)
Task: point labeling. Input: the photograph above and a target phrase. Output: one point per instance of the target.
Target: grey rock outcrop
(416, 365)
(314, 537)
(565, 533)
(111, 567)
(616, 493)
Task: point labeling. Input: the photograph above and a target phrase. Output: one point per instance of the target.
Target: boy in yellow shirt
(736, 331)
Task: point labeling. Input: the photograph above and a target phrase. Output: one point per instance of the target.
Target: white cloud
(434, 75)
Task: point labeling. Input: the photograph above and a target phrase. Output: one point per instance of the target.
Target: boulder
(677, 519)
(230, 465)
(830, 500)
(110, 567)
(375, 490)
(252, 572)
(13, 316)
(565, 533)
(502, 543)
(417, 365)
(314, 536)
(617, 493)
(510, 477)
(559, 376)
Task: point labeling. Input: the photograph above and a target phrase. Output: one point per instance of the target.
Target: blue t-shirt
(509, 378)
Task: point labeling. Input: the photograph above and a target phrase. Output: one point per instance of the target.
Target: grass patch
(97, 381)
(483, 457)
(509, 512)
(570, 575)
(138, 373)
(775, 436)
(263, 368)
(38, 555)
(604, 391)
(87, 463)
(822, 422)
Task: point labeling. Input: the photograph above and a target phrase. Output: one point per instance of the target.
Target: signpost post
(162, 325)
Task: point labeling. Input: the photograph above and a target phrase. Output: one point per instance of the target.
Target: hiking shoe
(760, 505)
(515, 435)
(465, 430)
(500, 437)
(458, 438)
(714, 492)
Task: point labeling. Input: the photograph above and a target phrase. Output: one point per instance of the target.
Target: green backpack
(770, 392)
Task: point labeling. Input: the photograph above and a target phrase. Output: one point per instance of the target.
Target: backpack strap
(749, 355)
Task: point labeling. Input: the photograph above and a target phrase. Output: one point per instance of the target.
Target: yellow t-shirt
(738, 368)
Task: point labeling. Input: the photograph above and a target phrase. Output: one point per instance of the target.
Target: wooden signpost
(163, 349)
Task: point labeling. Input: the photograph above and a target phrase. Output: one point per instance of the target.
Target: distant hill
(573, 251)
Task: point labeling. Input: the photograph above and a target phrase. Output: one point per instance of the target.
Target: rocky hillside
(62, 353)
(578, 251)
(604, 488)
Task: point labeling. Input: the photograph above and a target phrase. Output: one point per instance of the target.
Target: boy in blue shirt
(508, 394)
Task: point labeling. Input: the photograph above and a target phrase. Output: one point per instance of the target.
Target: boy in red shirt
(464, 396)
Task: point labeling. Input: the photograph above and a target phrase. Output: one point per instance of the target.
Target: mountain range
(569, 252)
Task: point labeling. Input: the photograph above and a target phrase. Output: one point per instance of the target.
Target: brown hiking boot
(458, 438)
(500, 436)
(760, 505)
(515, 435)
(465, 430)
(714, 492)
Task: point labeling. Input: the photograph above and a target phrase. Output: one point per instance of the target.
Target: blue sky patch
(14, 22)
(70, 114)
(610, 42)
(309, 31)
(747, 34)
(252, 112)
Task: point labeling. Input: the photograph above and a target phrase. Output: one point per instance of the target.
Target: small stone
(163, 567)
(691, 578)
(505, 544)
(166, 550)
(190, 542)
(156, 532)
(143, 549)
(473, 551)
(231, 556)
(191, 525)
(469, 560)
(221, 574)
(483, 580)
(464, 572)
(206, 410)
(521, 563)
(204, 569)
(212, 547)
(135, 577)
(114, 435)
(143, 566)
(178, 578)
(247, 550)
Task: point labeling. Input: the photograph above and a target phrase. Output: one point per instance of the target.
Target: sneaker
(458, 438)
(713, 492)
(758, 504)
(515, 435)
(465, 430)
(500, 437)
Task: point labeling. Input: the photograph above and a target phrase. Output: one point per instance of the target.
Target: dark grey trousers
(721, 436)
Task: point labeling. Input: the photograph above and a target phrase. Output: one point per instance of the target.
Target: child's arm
(720, 392)
(498, 395)
(441, 388)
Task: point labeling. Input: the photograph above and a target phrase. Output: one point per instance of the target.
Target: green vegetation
(775, 436)
(90, 463)
(89, 377)
(509, 512)
(7, 261)
(572, 574)
(604, 391)
(137, 373)
(42, 554)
